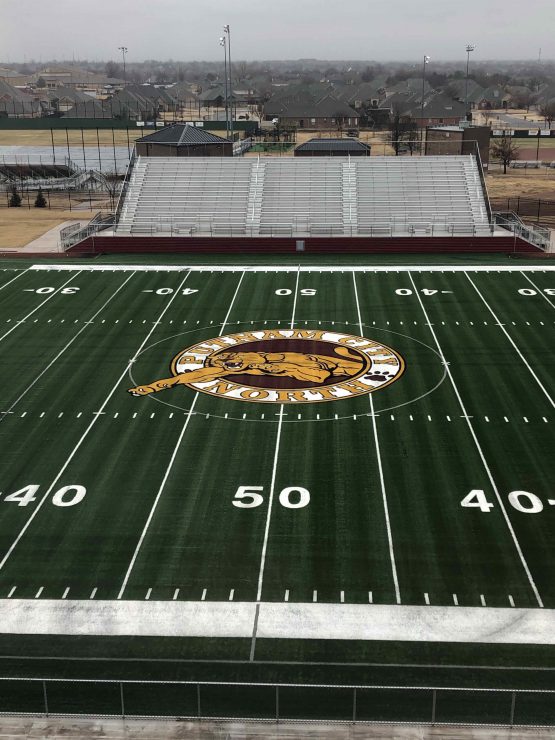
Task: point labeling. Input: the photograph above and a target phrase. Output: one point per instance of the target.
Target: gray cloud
(289, 29)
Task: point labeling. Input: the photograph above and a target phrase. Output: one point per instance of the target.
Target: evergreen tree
(40, 200)
(15, 198)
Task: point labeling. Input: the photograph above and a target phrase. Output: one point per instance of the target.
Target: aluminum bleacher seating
(319, 196)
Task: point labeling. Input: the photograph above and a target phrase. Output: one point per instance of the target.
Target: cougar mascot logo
(282, 366)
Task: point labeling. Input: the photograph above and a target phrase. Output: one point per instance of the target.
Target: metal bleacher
(305, 196)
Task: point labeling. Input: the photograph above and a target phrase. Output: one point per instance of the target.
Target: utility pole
(223, 42)
(123, 50)
(469, 48)
(426, 61)
(228, 32)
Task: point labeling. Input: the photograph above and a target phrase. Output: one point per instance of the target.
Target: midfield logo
(283, 366)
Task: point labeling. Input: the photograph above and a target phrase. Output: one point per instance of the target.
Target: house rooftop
(328, 145)
(182, 134)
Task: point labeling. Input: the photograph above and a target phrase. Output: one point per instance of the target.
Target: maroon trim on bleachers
(287, 245)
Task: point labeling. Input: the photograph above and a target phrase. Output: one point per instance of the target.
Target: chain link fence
(531, 210)
(277, 702)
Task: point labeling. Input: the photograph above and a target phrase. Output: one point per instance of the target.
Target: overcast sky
(276, 29)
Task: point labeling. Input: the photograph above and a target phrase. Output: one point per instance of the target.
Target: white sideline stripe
(540, 291)
(96, 417)
(291, 268)
(506, 333)
(480, 452)
(380, 468)
(172, 459)
(283, 620)
(157, 499)
(61, 352)
(15, 278)
(55, 293)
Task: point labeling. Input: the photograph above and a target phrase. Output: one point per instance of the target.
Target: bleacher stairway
(320, 196)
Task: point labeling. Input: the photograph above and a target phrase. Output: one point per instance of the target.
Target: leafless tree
(504, 151)
(487, 115)
(402, 128)
(547, 111)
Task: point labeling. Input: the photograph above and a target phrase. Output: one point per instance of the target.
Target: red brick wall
(313, 245)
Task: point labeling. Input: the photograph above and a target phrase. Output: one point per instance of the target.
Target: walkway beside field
(71, 728)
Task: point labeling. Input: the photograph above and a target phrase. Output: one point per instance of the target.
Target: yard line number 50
(65, 496)
(292, 497)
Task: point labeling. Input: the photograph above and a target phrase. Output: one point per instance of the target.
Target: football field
(307, 453)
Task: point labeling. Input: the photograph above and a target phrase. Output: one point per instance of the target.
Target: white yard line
(269, 512)
(480, 452)
(279, 620)
(540, 291)
(291, 268)
(61, 352)
(272, 487)
(380, 467)
(157, 499)
(295, 295)
(85, 434)
(506, 333)
(15, 278)
(52, 295)
(231, 304)
(170, 464)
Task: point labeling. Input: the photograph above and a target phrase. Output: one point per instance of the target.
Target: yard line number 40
(523, 501)
(65, 496)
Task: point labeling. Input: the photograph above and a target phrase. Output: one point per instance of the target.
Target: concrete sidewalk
(104, 729)
(50, 241)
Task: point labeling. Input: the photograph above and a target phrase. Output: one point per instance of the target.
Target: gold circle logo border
(251, 338)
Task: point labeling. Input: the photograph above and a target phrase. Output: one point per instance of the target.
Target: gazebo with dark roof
(333, 148)
(183, 140)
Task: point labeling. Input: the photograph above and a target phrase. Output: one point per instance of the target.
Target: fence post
(121, 699)
(513, 702)
(434, 698)
(45, 697)
(354, 705)
(198, 700)
(277, 703)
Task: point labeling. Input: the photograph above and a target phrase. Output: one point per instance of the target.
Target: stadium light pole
(469, 48)
(123, 50)
(426, 61)
(228, 32)
(223, 43)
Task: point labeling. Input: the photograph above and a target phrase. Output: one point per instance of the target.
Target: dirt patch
(528, 184)
(44, 138)
(19, 226)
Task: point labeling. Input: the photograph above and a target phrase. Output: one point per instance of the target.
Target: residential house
(323, 114)
(53, 77)
(490, 98)
(458, 90)
(438, 109)
(63, 99)
(17, 104)
(14, 78)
